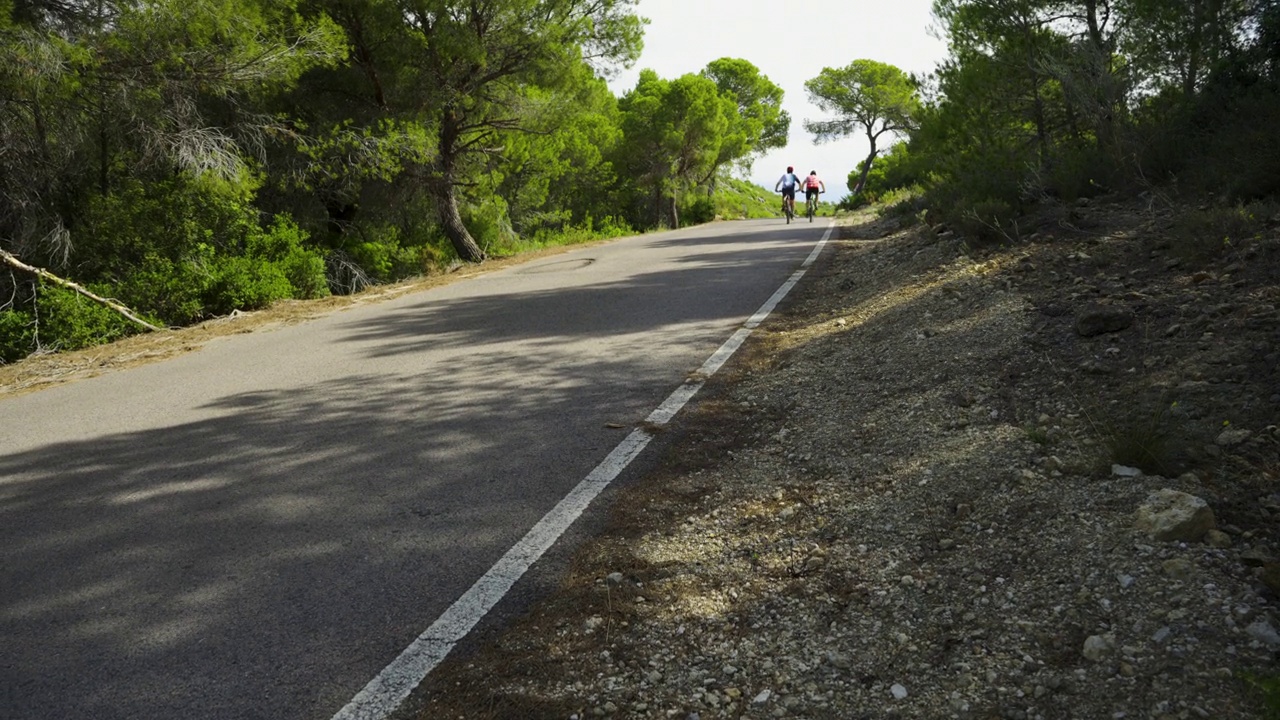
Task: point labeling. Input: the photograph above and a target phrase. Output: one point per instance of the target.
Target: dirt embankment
(900, 501)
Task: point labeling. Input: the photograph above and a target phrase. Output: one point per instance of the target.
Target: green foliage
(1268, 689)
(740, 200)
(170, 290)
(17, 335)
(697, 209)
(283, 246)
(1197, 237)
(244, 283)
(985, 222)
(678, 135)
(189, 248)
(866, 96)
(69, 321)
(487, 221)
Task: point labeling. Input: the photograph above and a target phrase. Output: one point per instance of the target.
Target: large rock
(1101, 319)
(1170, 516)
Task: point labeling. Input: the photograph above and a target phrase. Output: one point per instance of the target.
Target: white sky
(790, 42)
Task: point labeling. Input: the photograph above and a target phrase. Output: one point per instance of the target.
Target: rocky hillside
(1032, 478)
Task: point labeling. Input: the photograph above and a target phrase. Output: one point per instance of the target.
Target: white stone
(1096, 648)
(1169, 515)
(1263, 632)
(899, 692)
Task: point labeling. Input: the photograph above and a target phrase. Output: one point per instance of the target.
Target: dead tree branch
(11, 259)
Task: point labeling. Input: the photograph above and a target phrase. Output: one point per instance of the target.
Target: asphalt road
(256, 529)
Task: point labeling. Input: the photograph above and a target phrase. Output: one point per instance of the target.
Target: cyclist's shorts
(810, 193)
(789, 192)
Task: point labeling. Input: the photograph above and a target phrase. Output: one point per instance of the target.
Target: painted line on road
(385, 692)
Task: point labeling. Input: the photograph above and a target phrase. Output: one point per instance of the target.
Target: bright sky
(790, 42)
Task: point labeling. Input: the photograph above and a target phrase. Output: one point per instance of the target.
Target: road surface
(256, 529)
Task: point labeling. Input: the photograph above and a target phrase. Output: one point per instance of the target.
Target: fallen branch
(10, 259)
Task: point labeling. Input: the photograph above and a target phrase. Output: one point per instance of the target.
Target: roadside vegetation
(189, 160)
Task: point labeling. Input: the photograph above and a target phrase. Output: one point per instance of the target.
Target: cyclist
(813, 186)
(787, 185)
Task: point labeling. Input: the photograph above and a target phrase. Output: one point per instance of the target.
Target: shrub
(172, 291)
(986, 222)
(1200, 236)
(697, 209)
(1268, 688)
(17, 335)
(1145, 439)
(243, 283)
(283, 246)
(490, 227)
(59, 319)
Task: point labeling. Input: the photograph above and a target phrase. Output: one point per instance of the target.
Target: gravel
(899, 502)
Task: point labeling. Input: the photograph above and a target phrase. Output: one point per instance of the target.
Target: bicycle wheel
(812, 209)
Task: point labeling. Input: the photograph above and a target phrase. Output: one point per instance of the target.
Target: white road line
(385, 692)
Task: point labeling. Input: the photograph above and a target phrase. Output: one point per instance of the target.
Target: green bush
(1198, 237)
(490, 227)
(58, 319)
(172, 291)
(17, 335)
(282, 245)
(697, 209)
(242, 283)
(188, 248)
(304, 270)
(985, 222)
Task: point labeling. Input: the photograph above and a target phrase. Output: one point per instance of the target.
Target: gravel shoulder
(901, 500)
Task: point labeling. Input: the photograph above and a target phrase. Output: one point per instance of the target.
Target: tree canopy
(189, 159)
(865, 96)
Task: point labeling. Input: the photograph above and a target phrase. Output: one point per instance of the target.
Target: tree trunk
(675, 210)
(451, 221)
(445, 190)
(866, 166)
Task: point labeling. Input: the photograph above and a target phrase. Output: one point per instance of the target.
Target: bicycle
(786, 209)
(811, 206)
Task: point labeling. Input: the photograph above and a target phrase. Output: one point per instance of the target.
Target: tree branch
(10, 259)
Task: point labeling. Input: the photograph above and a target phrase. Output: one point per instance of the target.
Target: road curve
(256, 529)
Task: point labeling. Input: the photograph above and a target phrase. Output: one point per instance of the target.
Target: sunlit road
(256, 529)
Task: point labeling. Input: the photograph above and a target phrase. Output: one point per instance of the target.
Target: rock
(1217, 539)
(614, 578)
(1125, 471)
(1271, 576)
(1096, 320)
(1178, 568)
(1263, 632)
(1169, 515)
(946, 544)
(1232, 437)
(1097, 648)
(593, 623)
(763, 697)
(899, 692)
(1256, 556)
